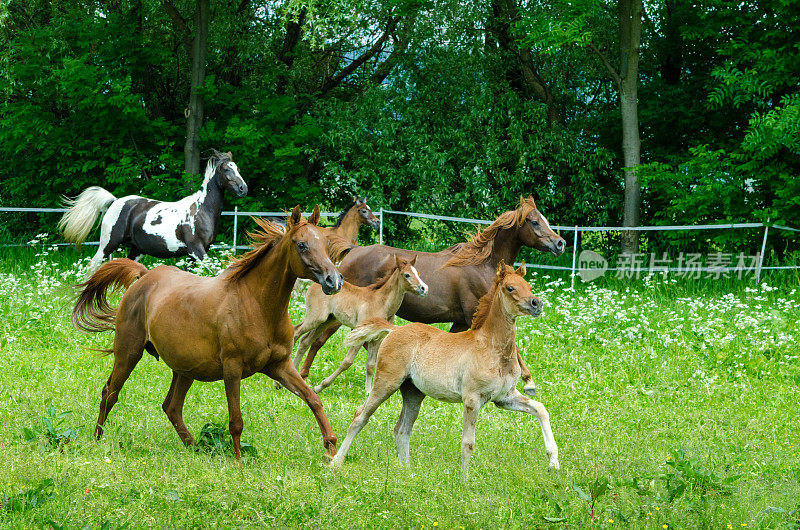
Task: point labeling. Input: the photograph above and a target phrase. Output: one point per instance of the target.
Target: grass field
(674, 406)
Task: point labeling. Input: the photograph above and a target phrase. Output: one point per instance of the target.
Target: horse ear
(294, 217)
(355, 198)
(230, 155)
(521, 270)
(530, 199)
(314, 219)
(501, 270)
(397, 264)
(413, 260)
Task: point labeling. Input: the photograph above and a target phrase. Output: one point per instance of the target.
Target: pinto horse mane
(263, 240)
(480, 247)
(485, 303)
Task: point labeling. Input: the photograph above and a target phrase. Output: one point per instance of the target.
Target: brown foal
(228, 327)
(351, 306)
(473, 367)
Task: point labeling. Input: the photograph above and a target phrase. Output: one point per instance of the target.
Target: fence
(576, 230)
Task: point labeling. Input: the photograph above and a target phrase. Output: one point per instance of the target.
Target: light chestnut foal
(473, 367)
(352, 305)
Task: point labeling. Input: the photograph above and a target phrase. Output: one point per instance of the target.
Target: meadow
(674, 404)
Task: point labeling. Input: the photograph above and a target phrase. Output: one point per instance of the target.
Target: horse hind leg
(389, 376)
(316, 346)
(347, 362)
(412, 400)
(112, 233)
(173, 406)
(128, 350)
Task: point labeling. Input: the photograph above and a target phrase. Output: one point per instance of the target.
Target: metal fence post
(763, 249)
(235, 225)
(574, 255)
(380, 229)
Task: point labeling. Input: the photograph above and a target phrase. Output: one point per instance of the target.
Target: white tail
(369, 330)
(79, 219)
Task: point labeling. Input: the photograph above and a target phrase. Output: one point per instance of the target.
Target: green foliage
(51, 434)
(28, 499)
(215, 439)
(689, 476)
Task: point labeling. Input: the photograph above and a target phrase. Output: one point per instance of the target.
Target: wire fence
(719, 266)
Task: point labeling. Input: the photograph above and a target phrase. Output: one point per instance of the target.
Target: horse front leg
(516, 401)
(286, 374)
(232, 375)
(529, 387)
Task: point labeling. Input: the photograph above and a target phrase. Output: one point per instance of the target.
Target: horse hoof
(278, 386)
(554, 465)
(317, 389)
(530, 389)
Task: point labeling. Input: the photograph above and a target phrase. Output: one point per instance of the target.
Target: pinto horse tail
(92, 311)
(369, 330)
(82, 212)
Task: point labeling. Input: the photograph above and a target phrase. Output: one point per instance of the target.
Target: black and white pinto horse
(147, 226)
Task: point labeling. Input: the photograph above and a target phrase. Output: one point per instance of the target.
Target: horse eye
(302, 246)
(510, 289)
(407, 275)
(535, 223)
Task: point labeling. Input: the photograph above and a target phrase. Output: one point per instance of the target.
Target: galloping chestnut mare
(228, 327)
(156, 228)
(458, 276)
(474, 367)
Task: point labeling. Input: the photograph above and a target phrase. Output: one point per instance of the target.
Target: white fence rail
(576, 230)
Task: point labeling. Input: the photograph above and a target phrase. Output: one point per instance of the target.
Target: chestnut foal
(228, 327)
(473, 367)
(351, 306)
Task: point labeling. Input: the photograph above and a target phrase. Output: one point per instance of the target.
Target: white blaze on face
(416, 275)
(235, 169)
(545, 220)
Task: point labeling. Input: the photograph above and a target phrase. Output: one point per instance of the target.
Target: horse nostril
(560, 244)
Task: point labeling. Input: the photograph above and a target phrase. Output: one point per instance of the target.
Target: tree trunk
(194, 112)
(630, 34)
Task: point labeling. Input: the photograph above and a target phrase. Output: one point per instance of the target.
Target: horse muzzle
(374, 223)
(241, 190)
(557, 246)
(422, 290)
(534, 307)
(331, 282)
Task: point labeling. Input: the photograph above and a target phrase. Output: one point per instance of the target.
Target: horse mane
(263, 240)
(216, 159)
(485, 303)
(381, 280)
(343, 214)
(479, 249)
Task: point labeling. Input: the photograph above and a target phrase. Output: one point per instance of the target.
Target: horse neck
(501, 326)
(210, 199)
(506, 247)
(391, 292)
(349, 226)
(271, 282)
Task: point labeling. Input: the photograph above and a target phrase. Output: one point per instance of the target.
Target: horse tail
(92, 311)
(82, 211)
(369, 330)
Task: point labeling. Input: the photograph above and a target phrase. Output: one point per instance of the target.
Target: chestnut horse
(458, 276)
(350, 306)
(351, 219)
(473, 367)
(228, 327)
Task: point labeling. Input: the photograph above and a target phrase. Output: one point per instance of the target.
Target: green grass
(635, 376)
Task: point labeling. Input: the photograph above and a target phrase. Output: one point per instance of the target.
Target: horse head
(410, 277)
(308, 257)
(535, 230)
(366, 214)
(227, 174)
(515, 292)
